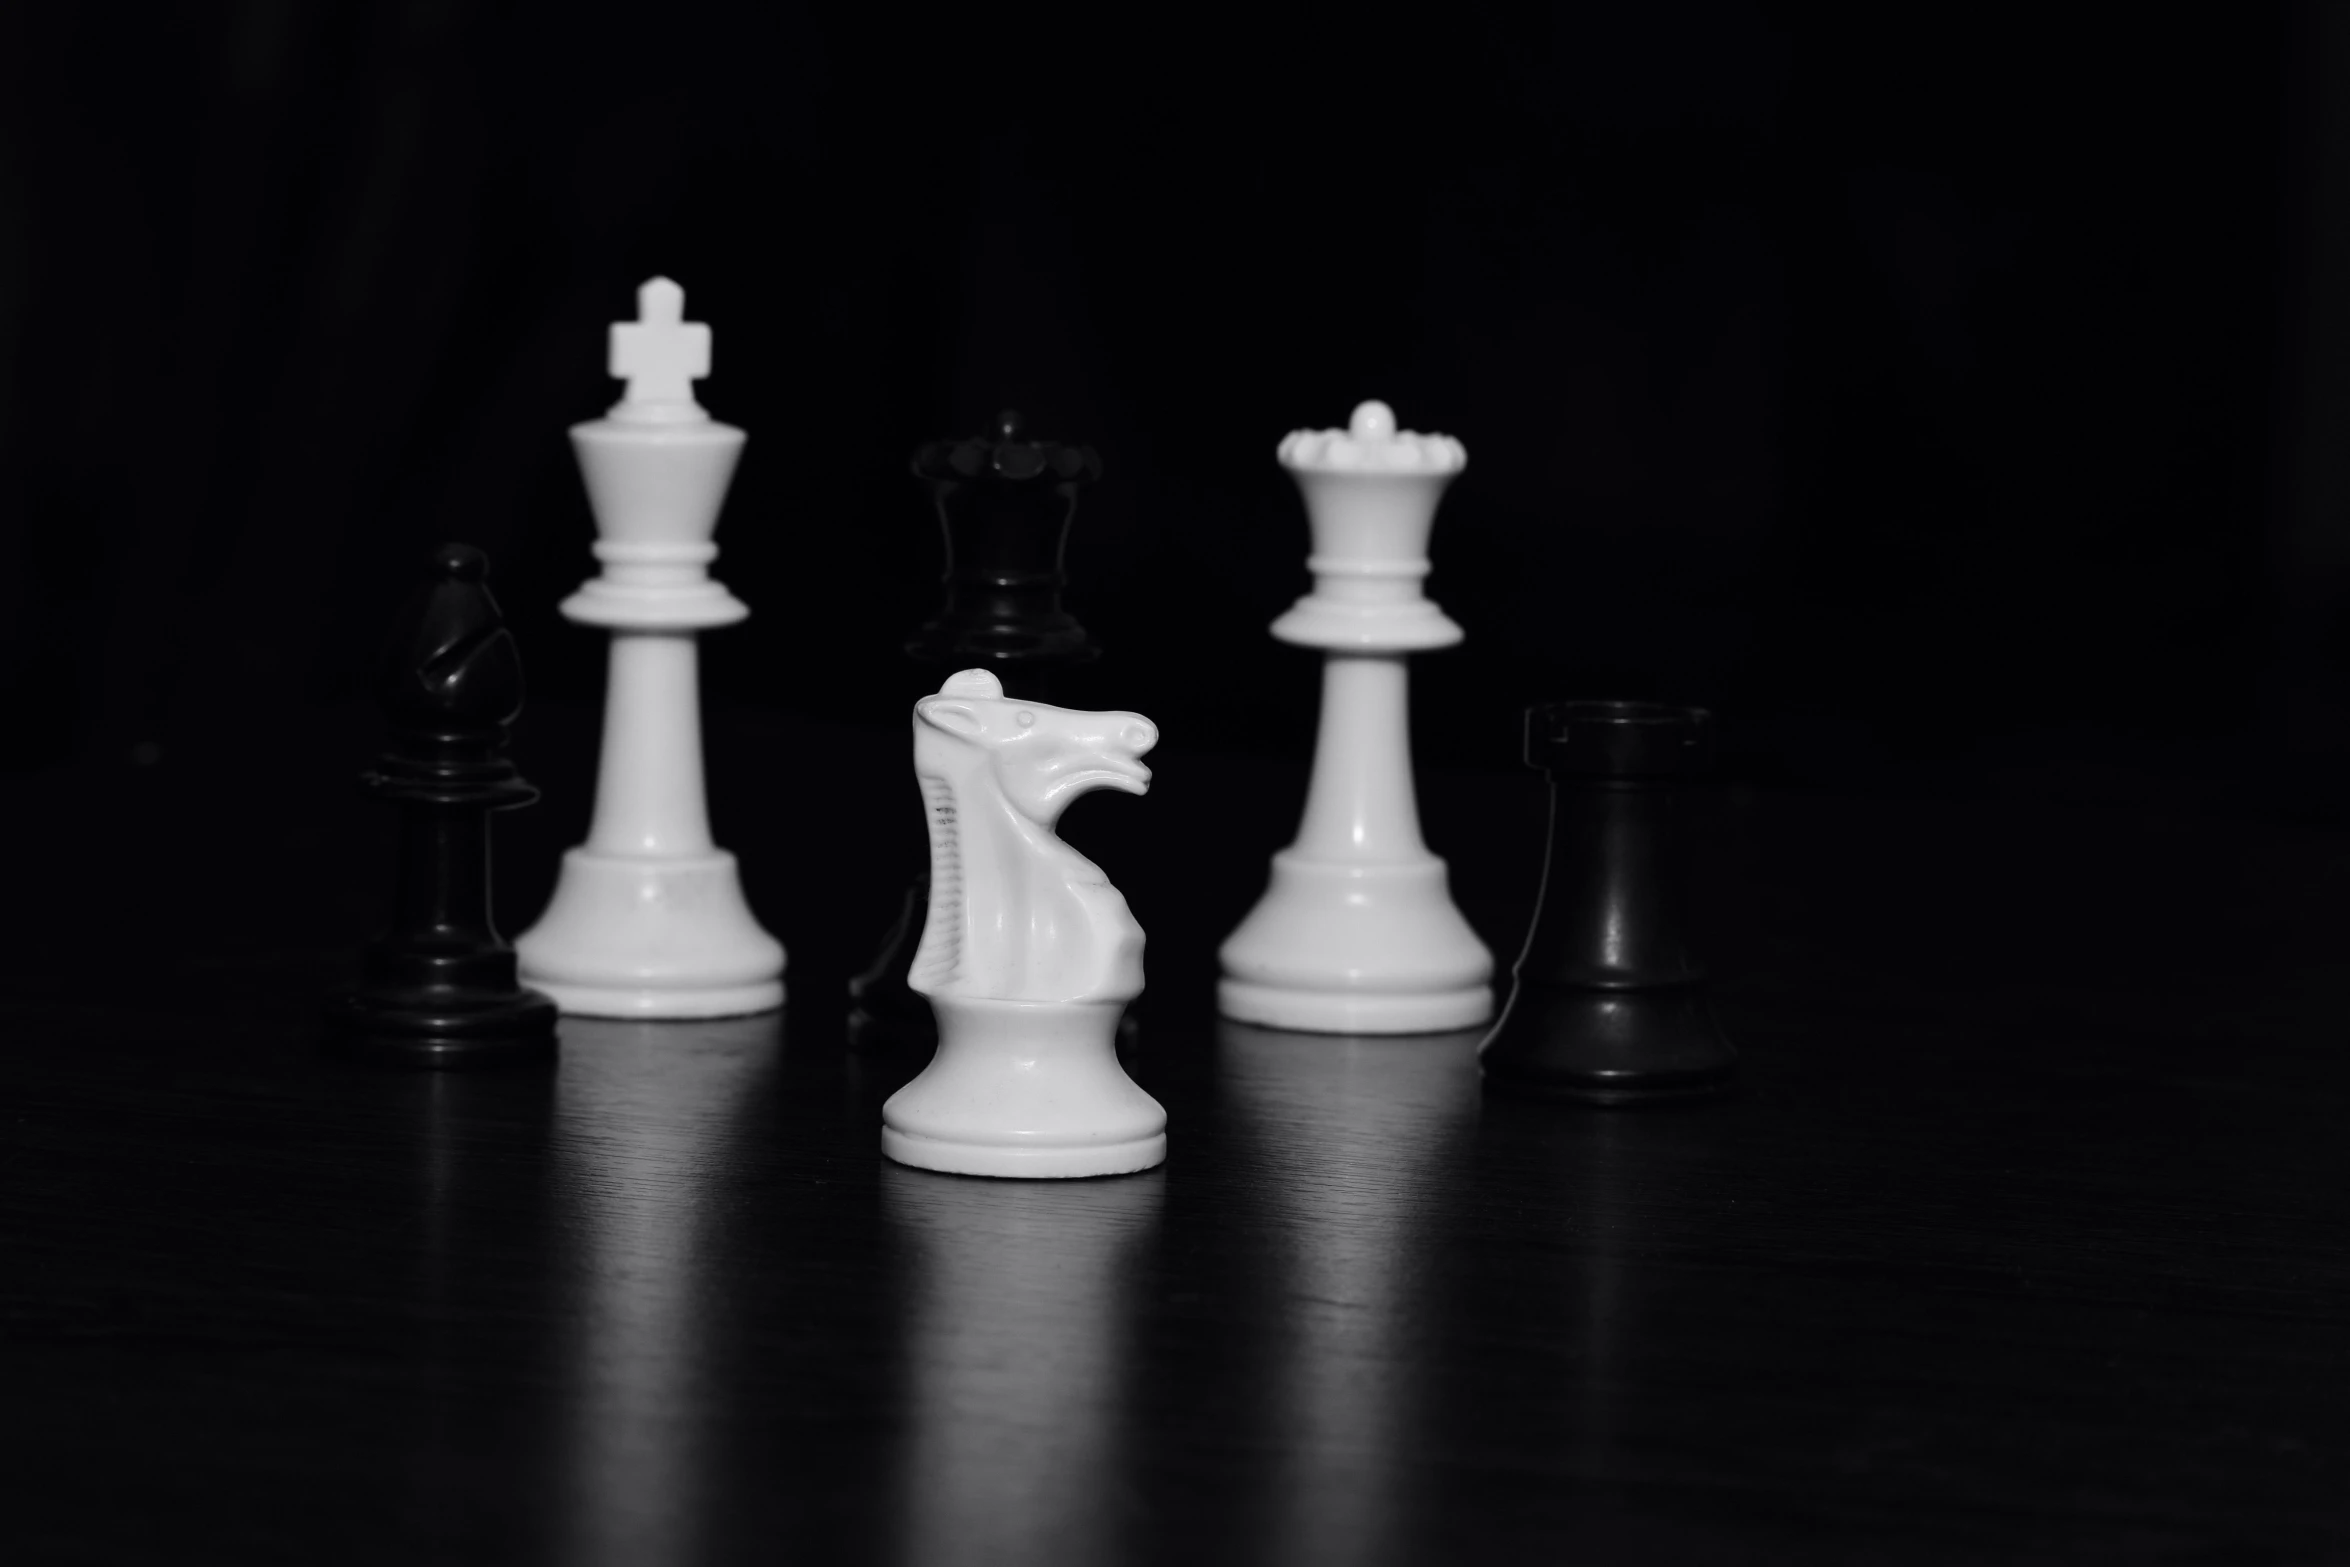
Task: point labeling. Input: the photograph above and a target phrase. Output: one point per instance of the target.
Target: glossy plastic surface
(1371, 493)
(1005, 501)
(648, 918)
(439, 988)
(1028, 954)
(1608, 1005)
(1356, 932)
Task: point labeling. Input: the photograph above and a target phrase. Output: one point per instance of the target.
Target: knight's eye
(1024, 718)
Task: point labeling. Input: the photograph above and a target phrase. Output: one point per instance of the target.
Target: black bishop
(438, 989)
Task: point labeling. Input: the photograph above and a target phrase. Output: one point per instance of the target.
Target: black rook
(438, 989)
(1608, 1006)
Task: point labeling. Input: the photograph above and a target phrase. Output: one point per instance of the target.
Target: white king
(648, 919)
(1357, 932)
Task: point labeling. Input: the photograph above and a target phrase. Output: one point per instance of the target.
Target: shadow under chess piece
(438, 989)
(1004, 505)
(1609, 1007)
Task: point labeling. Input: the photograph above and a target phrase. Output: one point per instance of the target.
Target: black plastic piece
(1004, 508)
(1005, 503)
(439, 988)
(1608, 1006)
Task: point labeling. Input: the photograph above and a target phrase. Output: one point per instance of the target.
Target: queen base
(1353, 1011)
(1025, 1089)
(1356, 949)
(643, 938)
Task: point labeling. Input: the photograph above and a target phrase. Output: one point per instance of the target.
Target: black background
(1953, 396)
(1946, 395)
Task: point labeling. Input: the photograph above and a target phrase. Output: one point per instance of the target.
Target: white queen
(1356, 932)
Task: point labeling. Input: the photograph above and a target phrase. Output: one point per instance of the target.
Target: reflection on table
(649, 1123)
(1352, 1134)
(1018, 1303)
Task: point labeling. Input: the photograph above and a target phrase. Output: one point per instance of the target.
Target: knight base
(640, 938)
(1025, 1089)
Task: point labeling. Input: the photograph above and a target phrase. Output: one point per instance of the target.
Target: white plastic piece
(1357, 932)
(1029, 955)
(648, 918)
(660, 355)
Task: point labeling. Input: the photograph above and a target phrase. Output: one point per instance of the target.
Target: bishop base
(442, 1028)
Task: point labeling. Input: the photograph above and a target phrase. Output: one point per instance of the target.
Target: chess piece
(1005, 502)
(1608, 1007)
(1029, 955)
(1356, 932)
(648, 918)
(439, 988)
(1004, 505)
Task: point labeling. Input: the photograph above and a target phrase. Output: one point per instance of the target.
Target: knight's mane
(940, 953)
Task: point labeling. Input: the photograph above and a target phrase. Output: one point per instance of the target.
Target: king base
(1025, 1089)
(643, 938)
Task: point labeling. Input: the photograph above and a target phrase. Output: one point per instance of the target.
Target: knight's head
(1044, 757)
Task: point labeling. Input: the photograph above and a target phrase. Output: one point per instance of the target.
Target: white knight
(1029, 955)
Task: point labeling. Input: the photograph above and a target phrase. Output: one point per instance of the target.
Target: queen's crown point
(1371, 443)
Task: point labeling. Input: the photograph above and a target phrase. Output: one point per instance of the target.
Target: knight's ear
(956, 718)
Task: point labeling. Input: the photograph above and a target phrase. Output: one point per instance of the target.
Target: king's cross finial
(660, 354)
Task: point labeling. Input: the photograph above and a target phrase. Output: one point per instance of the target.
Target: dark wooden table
(2028, 1239)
